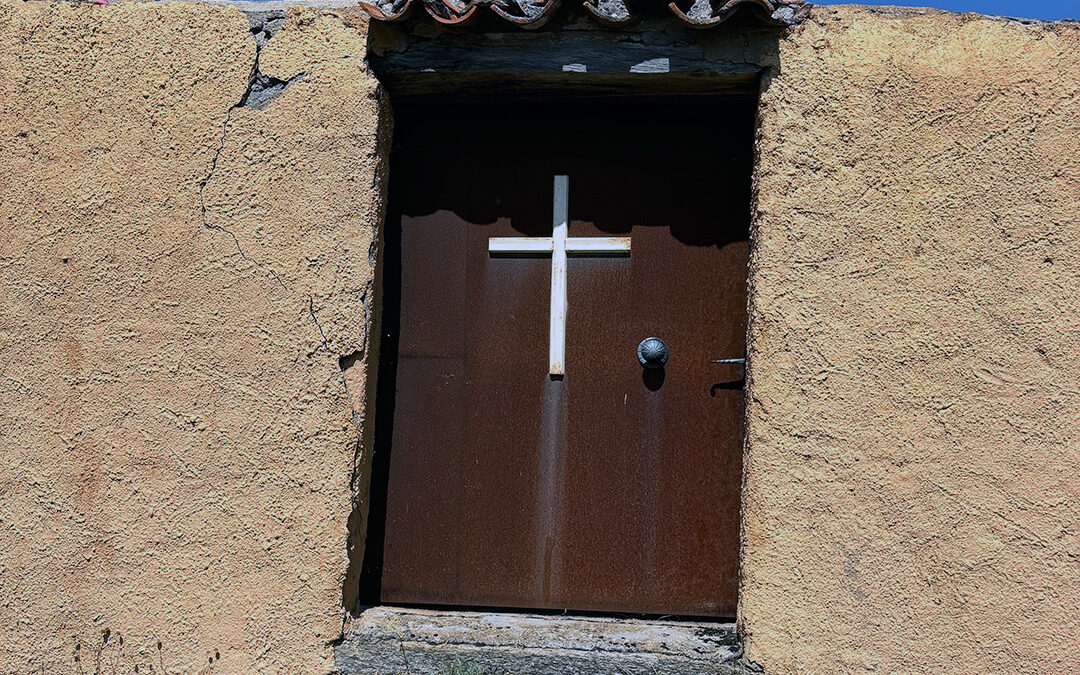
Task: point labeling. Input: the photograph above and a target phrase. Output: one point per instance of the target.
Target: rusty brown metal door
(614, 488)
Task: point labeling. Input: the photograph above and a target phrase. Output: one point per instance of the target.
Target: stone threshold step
(393, 641)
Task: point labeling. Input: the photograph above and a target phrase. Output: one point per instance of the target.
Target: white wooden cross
(558, 245)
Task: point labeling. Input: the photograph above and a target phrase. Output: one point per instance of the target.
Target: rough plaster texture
(912, 501)
(179, 277)
(185, 285)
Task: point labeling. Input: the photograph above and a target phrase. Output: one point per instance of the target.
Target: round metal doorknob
(652, 353)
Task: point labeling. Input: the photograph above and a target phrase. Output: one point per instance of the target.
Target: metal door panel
(609, 489)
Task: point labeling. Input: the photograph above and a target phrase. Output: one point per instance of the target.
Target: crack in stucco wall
(315, 45)
(202, 200)
(264, 89)
(261, 90)
(315, 320)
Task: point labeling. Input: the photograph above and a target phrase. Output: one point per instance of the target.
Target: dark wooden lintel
(655, 58)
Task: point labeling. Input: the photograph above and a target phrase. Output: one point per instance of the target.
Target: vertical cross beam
(559, 224)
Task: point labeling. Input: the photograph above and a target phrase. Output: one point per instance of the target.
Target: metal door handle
(652, 353)
(742, 361)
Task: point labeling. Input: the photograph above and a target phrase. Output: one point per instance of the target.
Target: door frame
(659, 62)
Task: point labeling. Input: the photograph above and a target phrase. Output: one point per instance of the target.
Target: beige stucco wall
(913, 467)
(178, 278)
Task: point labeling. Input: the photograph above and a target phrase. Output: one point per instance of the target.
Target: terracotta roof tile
(532, 14)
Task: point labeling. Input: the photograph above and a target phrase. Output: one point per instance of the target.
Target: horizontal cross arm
(598, 244)
(526, 245)
(520, 244)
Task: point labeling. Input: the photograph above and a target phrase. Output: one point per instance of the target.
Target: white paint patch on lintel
(659, 65)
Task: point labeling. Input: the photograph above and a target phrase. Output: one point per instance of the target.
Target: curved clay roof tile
(610, 13)
(705, 13)
(532, 14)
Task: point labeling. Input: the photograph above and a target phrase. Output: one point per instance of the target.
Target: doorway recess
(695, 90)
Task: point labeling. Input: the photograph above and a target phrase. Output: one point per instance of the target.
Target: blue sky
(1026, 9)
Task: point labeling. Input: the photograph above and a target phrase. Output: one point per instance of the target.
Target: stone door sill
(394, 640)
